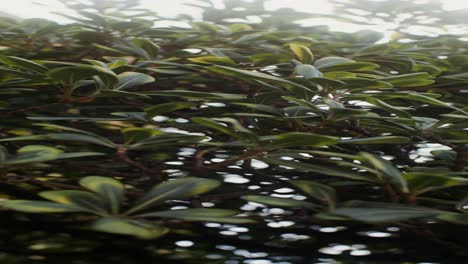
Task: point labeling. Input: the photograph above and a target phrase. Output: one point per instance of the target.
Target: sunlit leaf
(40, 207)
(109, 189)
(295, 139)
(140, 229)
(86, 200)
(132, 79)
(303, 53)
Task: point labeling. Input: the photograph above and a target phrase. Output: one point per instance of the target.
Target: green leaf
(132, 79)
(81, 138)
(78, 155)
(201, 214)
(318, 191)
(430, 100)
(343, 64)
(296, 139)
(213, 60)
(448, 155)
(88, 201)
(389, 172)
(34, 153)
(109, 189)
(409, 80)
(337, 75)
(211, 123)
(322, 169)
(422, 182)
(140, 229)
(454, 218)
(151, 50)
(121, 94)
(352, 66)
(23, 64)
(58, 127)
(373, 212)
(75, 118)
(254, 75)
(302, 53)
(198, 95)
(167, 107)
(234, 72)
(135, 134)
(93, 139)
(236, 129)
(73, 74)
(389, 108)
(165, 139)
(281, 202)
(363, 84)
(3, 154)
(264, 59)
(176, 189)
(28, 206)
(376, 140)
(330, 61)
(262, 108)
(308, 71)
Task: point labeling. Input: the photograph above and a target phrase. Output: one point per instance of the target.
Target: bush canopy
(127, 136)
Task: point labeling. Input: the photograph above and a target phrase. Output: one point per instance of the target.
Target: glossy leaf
(308, 71)
(212, 60)
(376, 140)
(167, 107)
(140, 229)
(383, 212)
(420, 182)
(295, 139)
(23, 64)
(176, 189)
(303, 53)
(87, 201)
(330, 61)
(27, 206)
(409, 80)
(109, 189)
(135, 134)
(389, 172)
(129, 80)
(71, 75)
(318, 191)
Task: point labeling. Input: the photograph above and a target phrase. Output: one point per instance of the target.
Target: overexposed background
(170, 8)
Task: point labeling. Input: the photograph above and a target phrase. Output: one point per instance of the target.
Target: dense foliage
(214, 128)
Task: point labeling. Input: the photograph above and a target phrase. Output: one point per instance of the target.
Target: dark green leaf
(176, 189)
(281, 202)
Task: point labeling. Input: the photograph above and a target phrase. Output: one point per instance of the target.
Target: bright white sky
(27, 9)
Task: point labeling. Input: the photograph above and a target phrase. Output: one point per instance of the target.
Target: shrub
(335, 128)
